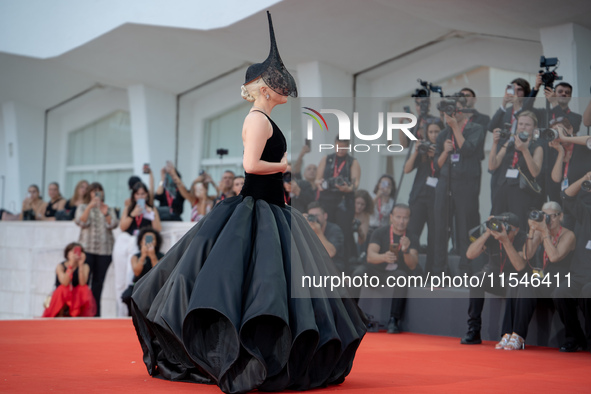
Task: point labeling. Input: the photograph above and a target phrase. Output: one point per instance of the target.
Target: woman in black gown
(226, 304)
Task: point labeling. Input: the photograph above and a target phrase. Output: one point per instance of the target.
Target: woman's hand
(496, 136)
(556, 145)
(136, 211)
(104, 208)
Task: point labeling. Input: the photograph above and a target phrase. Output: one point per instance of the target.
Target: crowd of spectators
(537, 161)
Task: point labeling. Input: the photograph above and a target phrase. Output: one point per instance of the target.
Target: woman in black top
(72, 297)
(139, 213)
(221, 308)
(77, 199)
(509, 157)
(422, 194)
(56, 202)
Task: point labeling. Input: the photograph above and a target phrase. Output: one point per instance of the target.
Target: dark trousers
(527, 301)
(422, 211)
(565, 301)
(510, 198)
(461, 205)
(477, 304)
(98, 270)
(399, 296)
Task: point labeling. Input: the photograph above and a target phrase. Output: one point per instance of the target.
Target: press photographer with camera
(299, 191)
(515, 162)
(329, 234)
(168, 195)
(548, 249)
(422, 108)
(97, 221)
(393, 252)
(337, 179)
(422, 194)
(477, 117)
(457, 157)
(577, 201)
(385, 191)
(502, 242)
(515, 93)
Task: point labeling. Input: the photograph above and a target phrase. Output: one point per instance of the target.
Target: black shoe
(393, 326)
(571, 347)
(471, 338)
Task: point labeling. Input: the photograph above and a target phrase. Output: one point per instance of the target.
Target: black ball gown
(225, 305)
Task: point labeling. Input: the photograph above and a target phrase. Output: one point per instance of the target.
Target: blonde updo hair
(252, 90)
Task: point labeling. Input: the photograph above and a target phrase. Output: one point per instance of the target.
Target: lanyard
(453, 141)
(169, 200)
(138, 220)
(336, 172)
(380, 212)
(554, 242)
(392, 238)
(432, 169)
(515, 159)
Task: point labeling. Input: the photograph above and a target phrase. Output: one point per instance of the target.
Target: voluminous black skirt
(225, 305)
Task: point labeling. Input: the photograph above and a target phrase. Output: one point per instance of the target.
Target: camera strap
(504, 260)
(337, 172)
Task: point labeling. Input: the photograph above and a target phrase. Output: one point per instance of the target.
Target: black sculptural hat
(272, 70)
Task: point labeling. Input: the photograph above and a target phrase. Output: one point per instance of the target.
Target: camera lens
(586, 186)
(523, 136)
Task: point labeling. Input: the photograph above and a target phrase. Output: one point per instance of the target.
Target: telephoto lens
(537, 216)
(549, 134)
(495, 225)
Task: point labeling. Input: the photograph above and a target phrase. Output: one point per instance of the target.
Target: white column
(571, 43)
(153, 117)
(22, 151)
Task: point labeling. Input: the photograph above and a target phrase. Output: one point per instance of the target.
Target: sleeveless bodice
(268, 187)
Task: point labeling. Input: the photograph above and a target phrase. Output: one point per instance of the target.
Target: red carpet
(94, 355)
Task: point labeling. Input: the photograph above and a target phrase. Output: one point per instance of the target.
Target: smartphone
(308, 142)
(77, 250)
(99, 194)
(149, 238)
(394, 248)
(384, 184)
(510, 89)
(146, 168)
(169, 165)
(142, 203)
(201, 172)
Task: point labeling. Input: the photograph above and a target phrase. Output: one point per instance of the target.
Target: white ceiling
(352, 35)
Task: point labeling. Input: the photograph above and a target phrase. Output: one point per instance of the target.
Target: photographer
(72, 297)
(363, 211)
(385, 191)
(515, 93)
(299, 191)
(97, 221)
(548, 249)
(422, 194)
(482, 119)
(558, 97)
(512, 158)
(577, 201)
(457, 156)
(581, 154)
(393, 252)
(225, 186)
(337, 179)
(168, 195)
(501, 241)
(149, 242)
(422, 108)
(329, 234)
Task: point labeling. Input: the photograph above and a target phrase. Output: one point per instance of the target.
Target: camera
(99, 194)
(424, 147)
(221, 152)
(523, 136)
(312, 218)
(505, 132)
(287, 177)
(448, 106)
(586, 186)
(149, 238)
(549, 76)
(496, 223)
(549, 134)
(146, 169)
(538, 216)
(427, 88)
(332, 183)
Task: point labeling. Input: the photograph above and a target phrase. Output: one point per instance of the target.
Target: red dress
(76, 300)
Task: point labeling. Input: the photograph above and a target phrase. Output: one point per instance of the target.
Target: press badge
(588, 245)
(512, 173)
(537, 271)
(391, 267)
(564, 184)
(455, 157)
(432, 181)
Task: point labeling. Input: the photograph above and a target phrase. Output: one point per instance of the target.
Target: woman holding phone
(97, 221)
(72, 297)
